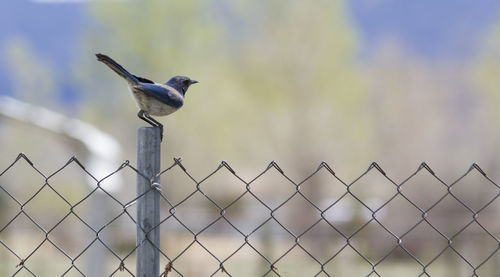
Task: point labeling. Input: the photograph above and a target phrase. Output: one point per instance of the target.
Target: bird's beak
(192, 82)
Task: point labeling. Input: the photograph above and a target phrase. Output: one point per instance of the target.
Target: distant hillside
(444, 29)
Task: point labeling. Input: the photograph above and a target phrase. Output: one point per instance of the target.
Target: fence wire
(292, 232)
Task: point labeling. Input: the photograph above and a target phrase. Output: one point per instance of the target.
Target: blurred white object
(104, 150)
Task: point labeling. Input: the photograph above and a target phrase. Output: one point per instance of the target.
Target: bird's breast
(152, 105)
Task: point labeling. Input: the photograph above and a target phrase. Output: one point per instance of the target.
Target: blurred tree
(486, 71)
(32, 78)
(278, 79)
(297, 65)
(426, 111)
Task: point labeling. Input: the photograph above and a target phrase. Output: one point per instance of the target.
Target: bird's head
(181, 83)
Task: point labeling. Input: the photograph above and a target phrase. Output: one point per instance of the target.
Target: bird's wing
(161, 92)
(144, 80)
(131, 79)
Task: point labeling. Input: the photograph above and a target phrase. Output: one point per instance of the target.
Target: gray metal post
(148, 205)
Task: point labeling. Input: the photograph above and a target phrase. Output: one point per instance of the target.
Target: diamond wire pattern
(123, 261)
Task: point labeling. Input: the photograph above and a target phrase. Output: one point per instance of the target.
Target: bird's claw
(153, 122)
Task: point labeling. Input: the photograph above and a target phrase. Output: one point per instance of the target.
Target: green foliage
(278, 79)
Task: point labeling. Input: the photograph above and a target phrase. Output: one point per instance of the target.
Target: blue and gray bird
(152, 98)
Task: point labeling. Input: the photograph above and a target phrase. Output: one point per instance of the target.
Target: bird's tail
(131, 79)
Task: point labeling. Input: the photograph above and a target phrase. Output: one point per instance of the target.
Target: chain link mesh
(270, 225)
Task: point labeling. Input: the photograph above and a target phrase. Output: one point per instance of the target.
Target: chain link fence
(224, 224)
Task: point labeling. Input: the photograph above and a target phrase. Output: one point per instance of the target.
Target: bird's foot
(153, 122)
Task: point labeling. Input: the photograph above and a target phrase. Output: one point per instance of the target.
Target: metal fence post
(148, 205)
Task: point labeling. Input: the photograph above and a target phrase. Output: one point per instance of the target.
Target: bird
(152, 98)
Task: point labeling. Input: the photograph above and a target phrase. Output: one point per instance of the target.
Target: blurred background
(346, 82)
